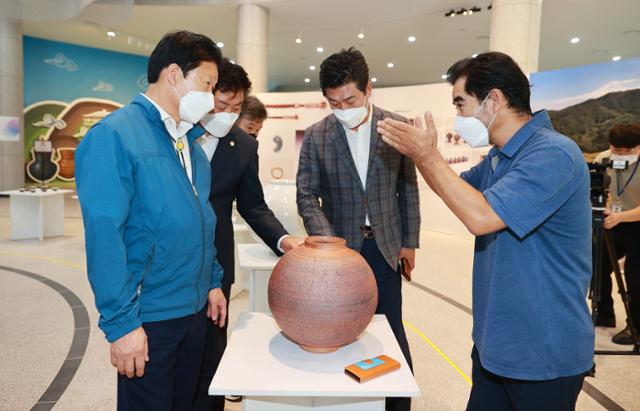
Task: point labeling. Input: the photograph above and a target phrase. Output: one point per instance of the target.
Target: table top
(256, 256)
(37, 193)
(260, 361)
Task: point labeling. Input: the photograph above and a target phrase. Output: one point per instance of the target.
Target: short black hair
(625, 135)
(186, 49)
(344, 67)
(232, 77)
(494, 70)
(253, 109)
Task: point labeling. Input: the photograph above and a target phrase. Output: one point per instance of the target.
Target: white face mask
(351, 117)
(195, 104)
(472, 130)
(219, 124)
(631, 158)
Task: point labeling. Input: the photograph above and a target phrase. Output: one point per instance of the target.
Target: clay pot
(322, 294)
(66, 163)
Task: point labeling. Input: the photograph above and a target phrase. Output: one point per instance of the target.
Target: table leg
(25, 217)
(53, 215)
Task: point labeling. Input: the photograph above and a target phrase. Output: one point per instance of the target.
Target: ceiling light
(475, 9)
(374, 80)
(412, 39)
(390, 65)
(575, 40)
(298, 40)
(444, 76)
(361, 35)
(616, 58)
(320, 49)
(450, 13)
(464, 13)
(312, 68)
(111, 33)
(220, 44)
(307, 80)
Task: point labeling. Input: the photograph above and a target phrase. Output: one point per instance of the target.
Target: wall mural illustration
(67, 90)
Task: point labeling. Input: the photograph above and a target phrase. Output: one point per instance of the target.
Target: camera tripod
(602, 238)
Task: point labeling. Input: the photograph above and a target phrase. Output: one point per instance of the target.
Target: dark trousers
(626, 239)
(491, 392)
(390, 304)
(216, 342)
(171, 375)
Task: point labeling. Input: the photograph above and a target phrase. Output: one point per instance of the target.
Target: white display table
(36, 215)
(273, 373)
(241, 235)
(258, 261)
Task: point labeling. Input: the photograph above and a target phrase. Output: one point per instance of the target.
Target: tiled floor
(37, 327)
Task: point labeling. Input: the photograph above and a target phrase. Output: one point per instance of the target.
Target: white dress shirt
(359, 143)
(209, 144)
(178, 136)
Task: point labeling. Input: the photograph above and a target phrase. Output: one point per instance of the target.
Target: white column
(11, 102)
(253, 27)
(515, 30)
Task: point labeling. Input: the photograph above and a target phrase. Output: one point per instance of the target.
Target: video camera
(600, 181)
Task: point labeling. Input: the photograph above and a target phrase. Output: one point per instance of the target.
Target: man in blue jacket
(144, 188)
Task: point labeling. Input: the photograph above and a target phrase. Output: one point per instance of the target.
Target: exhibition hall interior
(336, 205)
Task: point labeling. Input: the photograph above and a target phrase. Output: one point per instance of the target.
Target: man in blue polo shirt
(528, 204)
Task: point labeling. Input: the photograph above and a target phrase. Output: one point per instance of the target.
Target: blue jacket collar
(153, 115)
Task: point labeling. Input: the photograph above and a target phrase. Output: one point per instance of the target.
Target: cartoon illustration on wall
(64, 126)
(68, 89)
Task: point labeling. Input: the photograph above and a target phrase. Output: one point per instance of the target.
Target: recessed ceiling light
(616, 58)
(307, 80)
(411, 39)
(111, 33)
(312, 68)
(390, 65)
(444, 76)
(298, 40)
(361, 35)
(374, 80)
(320, 49)
(474, 55)
(575, 40)
(220, 44)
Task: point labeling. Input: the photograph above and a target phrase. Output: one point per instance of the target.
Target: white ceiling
(606, 28)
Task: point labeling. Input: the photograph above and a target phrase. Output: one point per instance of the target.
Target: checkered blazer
(332, 201)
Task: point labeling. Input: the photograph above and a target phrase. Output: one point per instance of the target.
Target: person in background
(252, 116)
(623, 219)
(143, 186)
(233, 156)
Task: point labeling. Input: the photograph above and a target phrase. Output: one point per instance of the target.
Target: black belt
(367, 231)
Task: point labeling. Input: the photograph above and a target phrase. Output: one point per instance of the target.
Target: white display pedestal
(273, 373)
(241, 234)
(257, 260)
(36, 215)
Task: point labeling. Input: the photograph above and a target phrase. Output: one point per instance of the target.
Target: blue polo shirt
(530, 316)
